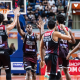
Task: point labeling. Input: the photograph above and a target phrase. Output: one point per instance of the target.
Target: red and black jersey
(63, 44)
(3, 37)
(30, 44)
(50, 45)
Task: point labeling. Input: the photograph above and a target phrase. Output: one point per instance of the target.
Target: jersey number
(0, 39)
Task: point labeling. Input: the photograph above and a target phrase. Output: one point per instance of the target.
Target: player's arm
(74, 50)
(62, 36)
(73, 41)
(42, 51)
(12, 25)
(40, 25)
(21, 32)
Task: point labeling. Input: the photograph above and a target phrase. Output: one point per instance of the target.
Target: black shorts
(4, 59)
(51, 61)
(28, 65)
(63, 63)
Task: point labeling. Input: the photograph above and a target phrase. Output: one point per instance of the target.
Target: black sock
(8, 74)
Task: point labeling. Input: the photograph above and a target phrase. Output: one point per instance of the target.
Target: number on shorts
(0, 39)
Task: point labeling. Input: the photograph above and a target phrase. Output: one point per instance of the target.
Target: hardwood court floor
(3, 77)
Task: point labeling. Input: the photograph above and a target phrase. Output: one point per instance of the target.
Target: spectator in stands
(51, 2)
(44, 14)
(29, 7)
(70, 22)
(65, 4)
(63, 13)
(36, 15)
(50, 13)
(54, 8)
(2, 5)
(31, 16)
(45, 20)
(53, 17)
(60, 8)
(37, 4)
(58, 2)
(41, 6)
(45, 3)
(12, 49)
(46, 10)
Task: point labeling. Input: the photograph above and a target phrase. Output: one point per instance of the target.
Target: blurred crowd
(5, 5)
(45, 9)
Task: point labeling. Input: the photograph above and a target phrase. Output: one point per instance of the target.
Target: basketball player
(50, 41)
(29, 49)
(74, 50)
(64, 48)
(4, 55)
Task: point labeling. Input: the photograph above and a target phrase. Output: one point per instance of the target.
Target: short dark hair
(1, 17)
(51, 24)
(70, 16)
(60, 18)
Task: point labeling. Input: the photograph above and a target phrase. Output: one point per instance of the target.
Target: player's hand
(40, 23)
(16, 11)
(68, 56)
(42, 63)
(62, 26)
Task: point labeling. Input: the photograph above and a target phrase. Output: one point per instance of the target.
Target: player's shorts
(63, 63)
(30, 62)
(28, 65)
(4, 59)
(51, 63)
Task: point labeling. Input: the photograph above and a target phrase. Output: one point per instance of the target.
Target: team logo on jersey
(27, 37)
(1, 28)
(47, 34)
(32, 37)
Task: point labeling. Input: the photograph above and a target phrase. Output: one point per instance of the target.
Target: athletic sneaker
(47, 76)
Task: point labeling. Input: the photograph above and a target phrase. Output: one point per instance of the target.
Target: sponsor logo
(17, 64)
(12, 35)
(75, 5)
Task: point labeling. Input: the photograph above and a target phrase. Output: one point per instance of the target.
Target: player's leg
(61, 74)
(7, 65)
(60, 62)
(33, 70)
(28, 75)
(0, 71)
(27, 67)
(66, 69)
(54, 65)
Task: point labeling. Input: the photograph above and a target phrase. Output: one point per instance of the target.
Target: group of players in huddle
(54, 43)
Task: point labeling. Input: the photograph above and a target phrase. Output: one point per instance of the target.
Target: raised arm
(74, 50)
(21, 32)
(40, 25)
(42, 52)
(13, 24)
(73, 41)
